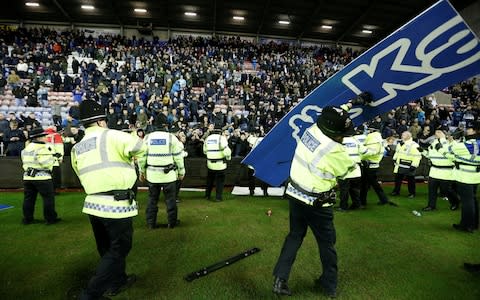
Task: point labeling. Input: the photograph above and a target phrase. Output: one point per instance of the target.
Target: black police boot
(280, 287)
(130, 280)
(472, 268)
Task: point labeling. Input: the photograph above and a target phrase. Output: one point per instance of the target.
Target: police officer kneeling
(38, 161)
(103, 162)
(164, 158)
(320, 158)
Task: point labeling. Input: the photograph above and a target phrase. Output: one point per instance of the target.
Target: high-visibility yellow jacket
(352, 146)
(39, 157)
(371, 150)
(406, 156)
(441, 167)
(164, 151)
(217, 151)
(466, 157)
(103, 161)
(317, 163)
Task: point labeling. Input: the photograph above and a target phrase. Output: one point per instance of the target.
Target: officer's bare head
(406, 135)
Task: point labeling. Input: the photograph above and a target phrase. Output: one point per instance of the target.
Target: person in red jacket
(55, 142)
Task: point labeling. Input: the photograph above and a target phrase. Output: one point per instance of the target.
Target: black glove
(420, 149)
(438, 146)
(57, 155)
(412, 168)
(363, 99)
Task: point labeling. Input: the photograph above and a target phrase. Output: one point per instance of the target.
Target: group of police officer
(320, 160)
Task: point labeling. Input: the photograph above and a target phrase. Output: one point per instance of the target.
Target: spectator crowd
(189, 84)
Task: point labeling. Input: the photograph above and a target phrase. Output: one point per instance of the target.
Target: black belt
(217, 160)
(458, 164)
(119, 195)
(328, 197)
(443, 167)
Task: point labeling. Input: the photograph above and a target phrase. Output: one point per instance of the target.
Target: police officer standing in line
(217, 151)
(163, 160)
(351, 183)
(103, 162)
(38, 161)
(318, 161)
(466, 158)
(371, 154)
(439, 176)
(407, 159)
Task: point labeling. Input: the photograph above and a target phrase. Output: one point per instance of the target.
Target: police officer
(406, 159)
(439, 176)
(352, 182)
(38, 161)
(371, 154)
(160, 166)
(466, 158)
(218, 153)
(103, 162)
(318, 161)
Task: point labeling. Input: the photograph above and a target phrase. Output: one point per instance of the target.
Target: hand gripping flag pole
(221, 264)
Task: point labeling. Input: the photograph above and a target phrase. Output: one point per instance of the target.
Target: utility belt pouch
(31, 172)
(124, 195)
(328, 197)
(169, 168)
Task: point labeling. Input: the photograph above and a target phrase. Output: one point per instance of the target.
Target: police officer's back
(218, 153)
(103, 161)
(162, 166)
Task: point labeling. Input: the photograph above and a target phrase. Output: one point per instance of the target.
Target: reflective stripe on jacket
(317, 162)
(217, 151)
(103, 161)
(36, 155)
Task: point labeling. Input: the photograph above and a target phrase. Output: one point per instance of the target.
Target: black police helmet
(476, 126)
(335, 122)
(91, 111)
(36, 132)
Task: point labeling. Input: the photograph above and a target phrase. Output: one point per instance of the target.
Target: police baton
(221, 264)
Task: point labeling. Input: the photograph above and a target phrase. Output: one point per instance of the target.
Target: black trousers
(369, 179)
(154, 190)
(56, 177)
(30, 190)
(398, 183)
(446, 189)
(349, 186)
(320, 221)
(178, 186)
(468, 196)
(219, 178)
(114, 241)
(251, 182)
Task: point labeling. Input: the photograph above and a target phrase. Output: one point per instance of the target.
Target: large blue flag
(434, 50)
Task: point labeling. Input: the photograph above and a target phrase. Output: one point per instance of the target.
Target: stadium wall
(196, 173)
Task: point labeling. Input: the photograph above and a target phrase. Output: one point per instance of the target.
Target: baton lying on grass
(207, 270)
